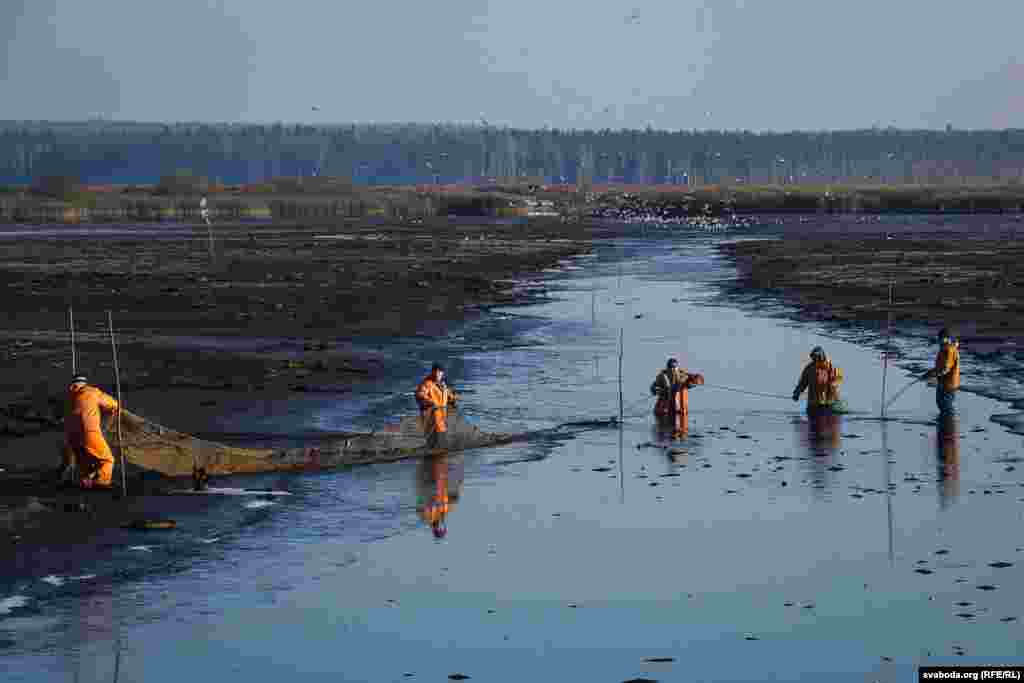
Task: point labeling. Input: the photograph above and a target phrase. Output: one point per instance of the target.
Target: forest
(107, 152)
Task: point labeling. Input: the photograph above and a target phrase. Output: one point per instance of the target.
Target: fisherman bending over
(821, 379)
(434, 398)
(947, 372)
(84, 444)
(671, 386)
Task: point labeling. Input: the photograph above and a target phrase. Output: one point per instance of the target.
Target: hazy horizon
(738, 65)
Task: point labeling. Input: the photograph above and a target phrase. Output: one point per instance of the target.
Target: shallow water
(554, 567)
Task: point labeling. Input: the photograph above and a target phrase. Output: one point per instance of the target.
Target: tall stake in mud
(205, 213)
(120, 407)
(71, 325)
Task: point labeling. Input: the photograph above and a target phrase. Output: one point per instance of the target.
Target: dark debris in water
(659, 660)
(924, 571)
(602, 469)
(986, 587)
(1007, 620)
(458, 677)
(965, 615)
(1000, 565)
(641, 680)
(942, 552)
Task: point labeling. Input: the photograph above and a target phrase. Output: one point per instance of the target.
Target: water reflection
(820, 438)
(947, 454)
(440, 478)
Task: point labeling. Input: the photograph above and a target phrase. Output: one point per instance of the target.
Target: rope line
(901, 392)
(744, 391)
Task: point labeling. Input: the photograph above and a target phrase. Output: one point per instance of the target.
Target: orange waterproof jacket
(821, 379)
(82, 426)
(434, 400)
(947, 366)
(677, 403)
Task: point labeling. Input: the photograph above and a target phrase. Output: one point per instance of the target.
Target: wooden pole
(885, 354)
(620, 373)
(120, 407)
(71, 324)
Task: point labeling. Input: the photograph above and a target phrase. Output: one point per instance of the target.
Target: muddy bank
(975, 287)
(281, 310)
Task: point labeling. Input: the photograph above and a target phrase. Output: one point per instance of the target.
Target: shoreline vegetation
(326, 199)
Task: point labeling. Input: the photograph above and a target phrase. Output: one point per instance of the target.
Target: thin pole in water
(120, 406)
(621, 332)
(885, 354)
(71, 325)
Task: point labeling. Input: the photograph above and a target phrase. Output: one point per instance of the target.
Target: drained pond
(760, 545)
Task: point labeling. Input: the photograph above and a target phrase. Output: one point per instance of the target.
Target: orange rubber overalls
(84, 442)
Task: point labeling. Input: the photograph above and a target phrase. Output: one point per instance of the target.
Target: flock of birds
(667, 218)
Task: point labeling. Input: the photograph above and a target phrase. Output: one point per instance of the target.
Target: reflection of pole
(888, 487)
(117, 660)
(622, 477)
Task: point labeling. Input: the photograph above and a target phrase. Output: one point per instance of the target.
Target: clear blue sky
(751, 64)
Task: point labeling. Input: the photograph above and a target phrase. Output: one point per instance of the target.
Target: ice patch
(83, 577)
(53, 580)
(8, 605)
(209, 540)
(256, 504)
(141, 548)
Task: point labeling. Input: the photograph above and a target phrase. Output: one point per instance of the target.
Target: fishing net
(152, 446)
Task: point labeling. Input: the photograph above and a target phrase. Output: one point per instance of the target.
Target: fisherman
(671, 386)
(821, 379)
(434, 397)
(84, 444)
(946, 372)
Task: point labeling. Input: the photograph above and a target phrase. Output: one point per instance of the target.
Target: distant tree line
(386, 154)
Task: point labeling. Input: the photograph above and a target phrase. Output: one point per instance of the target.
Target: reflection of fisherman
(671, 386)
(439, 489)
(84, 444)
(947, 372)
(434, 398)
(947, 454)
(821, 379)
(821, 439)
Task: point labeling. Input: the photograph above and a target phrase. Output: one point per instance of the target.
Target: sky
(673, 64)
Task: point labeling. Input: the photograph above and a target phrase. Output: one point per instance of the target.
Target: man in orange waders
(821, 379)
(671, 386)
(84, 444)
(434, 397)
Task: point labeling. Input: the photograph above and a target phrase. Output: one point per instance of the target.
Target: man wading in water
(821, 379)
(434, 397)
(947, 372)
(672, 386)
